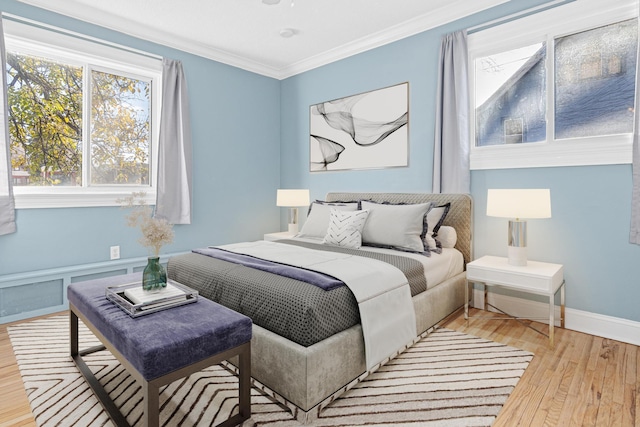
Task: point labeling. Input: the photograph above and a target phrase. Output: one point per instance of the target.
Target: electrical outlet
(115, 252)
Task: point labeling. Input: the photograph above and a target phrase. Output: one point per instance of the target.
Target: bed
(307, 366)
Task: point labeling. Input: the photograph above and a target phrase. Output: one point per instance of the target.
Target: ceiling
(246, 33)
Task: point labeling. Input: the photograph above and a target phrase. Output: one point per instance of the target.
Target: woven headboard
(460, 215)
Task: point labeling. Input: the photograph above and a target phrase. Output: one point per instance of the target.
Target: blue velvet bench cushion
(159, 343)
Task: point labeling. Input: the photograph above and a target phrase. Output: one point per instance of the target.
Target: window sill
(43, 198)
(608, 150)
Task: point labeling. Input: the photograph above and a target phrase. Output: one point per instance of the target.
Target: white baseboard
(604, 326)
(582, 321)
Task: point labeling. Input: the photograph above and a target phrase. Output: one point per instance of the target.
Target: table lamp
(292, 199)
(518, 205)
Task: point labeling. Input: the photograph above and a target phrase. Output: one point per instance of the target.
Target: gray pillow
(317, 222)
(395, 226)
(435, 218)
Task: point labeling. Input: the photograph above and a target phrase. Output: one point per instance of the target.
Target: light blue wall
(588, 232)
(589, 229)
(246, 126)
(235, 119)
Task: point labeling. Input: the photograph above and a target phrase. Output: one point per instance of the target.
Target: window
(556, 88)
(511, 84)
(82, 119)
(45, 120)
(120, 129)
(595, 81)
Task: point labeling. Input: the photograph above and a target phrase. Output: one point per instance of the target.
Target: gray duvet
(298, 311)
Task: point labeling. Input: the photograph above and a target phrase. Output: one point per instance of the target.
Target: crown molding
(455, 10)
(144, 32)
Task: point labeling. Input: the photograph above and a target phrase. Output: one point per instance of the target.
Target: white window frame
(580, 15)
(100, 56)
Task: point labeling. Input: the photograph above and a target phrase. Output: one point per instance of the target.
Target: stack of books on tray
(136, 301)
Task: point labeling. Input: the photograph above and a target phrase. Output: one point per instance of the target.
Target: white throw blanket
(387, 315)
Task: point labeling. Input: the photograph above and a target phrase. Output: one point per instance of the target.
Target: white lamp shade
(519, 203)
(292, 198)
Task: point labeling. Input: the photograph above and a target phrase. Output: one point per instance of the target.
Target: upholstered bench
(159, 348)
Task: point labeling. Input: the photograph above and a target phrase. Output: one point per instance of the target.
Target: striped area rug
(446, 379)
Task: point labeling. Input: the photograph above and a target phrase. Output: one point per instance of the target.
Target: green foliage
(46, 123)
(119, 130)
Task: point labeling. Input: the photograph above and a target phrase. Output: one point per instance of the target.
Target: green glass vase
(154, 275)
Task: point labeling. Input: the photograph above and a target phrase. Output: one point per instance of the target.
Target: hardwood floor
(585, 381)
(14, 406)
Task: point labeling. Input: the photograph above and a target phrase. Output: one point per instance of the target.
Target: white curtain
(451, 149)
(174, 158)
(7, 204)
(634, 234)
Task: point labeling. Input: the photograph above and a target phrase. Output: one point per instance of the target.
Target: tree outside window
(49, 142)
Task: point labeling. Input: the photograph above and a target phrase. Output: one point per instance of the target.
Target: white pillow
(435, 218)
(447, 236)
(317, 222)
(345, 228)
(396, 226)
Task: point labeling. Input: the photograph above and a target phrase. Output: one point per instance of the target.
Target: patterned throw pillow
(345, 228)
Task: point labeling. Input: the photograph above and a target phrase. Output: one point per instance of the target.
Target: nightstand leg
(486, 296)
(466, 302)
(552, 320)
(562, 305)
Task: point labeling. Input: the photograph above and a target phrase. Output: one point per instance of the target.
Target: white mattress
(437, 267)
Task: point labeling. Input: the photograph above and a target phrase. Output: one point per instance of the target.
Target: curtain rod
(518, 15)
(74, 34)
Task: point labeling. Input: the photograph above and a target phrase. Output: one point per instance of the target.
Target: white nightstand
(539, 278)
(272, 237)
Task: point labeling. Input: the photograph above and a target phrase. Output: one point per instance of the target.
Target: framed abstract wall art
(365, 131)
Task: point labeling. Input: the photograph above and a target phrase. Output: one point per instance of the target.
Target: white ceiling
(246, 33)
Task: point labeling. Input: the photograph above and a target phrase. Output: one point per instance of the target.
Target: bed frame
(306, 379)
